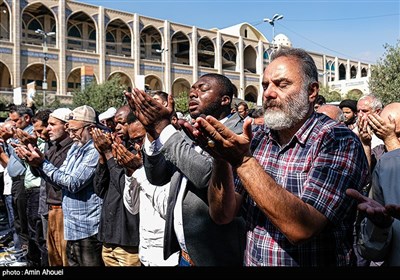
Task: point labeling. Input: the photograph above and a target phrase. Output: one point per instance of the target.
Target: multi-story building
(60, 41)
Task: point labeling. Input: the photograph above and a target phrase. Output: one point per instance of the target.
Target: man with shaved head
(332, 111)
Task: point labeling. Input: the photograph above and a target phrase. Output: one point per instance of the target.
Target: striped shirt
(81, 206)
(319, 163)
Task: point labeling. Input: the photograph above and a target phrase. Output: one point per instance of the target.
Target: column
(16, 39)
(102, 47)
(167, 57)
(62, 46)
(193, 54)
(240, 68)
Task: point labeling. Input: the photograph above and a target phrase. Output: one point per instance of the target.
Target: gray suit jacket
(208, 244)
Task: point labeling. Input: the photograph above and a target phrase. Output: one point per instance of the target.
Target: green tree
(182, 102)
(3, 108)
(354, 94)
(52, 101)
(101, 96)
(330, 96)
(385, 78)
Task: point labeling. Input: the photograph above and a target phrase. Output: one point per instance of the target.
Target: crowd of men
(294, 183)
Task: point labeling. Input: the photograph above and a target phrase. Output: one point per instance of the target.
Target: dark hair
(22, 110)
(349, 103)
(131, 117)
(42, 115)
(320, 100)
(257, 113)
(226, 85)
(163, 95)
(244, 104)
(310, 72)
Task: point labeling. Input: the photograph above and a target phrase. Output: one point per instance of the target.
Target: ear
(225, 100)
(313, 90)
(27, 118)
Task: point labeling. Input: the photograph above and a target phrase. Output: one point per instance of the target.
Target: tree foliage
(354, 94)
(330, 96)
(182, 102)
(52, 101)
(385, 78)
(101, 96)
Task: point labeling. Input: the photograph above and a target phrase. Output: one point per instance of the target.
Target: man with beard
(290, 178)
(349, 109)
(170, 156)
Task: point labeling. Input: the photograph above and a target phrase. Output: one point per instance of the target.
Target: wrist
(242, 163)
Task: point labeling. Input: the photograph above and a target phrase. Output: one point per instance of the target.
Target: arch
(229, 53)
(250, 59)
(125, 80)
(342, 72)
(74, 80)
(180, 90)
(180, 86)
(330, 69)
(206, 53)
(180, 45)
(250, 94)
(34, 73)
(5, 77)
(353, 72)
(80, 22)
(150, 43)
(153, 83)
(364, 72)
(38, 16)
(118, 38)
(5, 21)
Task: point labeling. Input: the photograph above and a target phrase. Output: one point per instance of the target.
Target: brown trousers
(56, 244)
(120, 255)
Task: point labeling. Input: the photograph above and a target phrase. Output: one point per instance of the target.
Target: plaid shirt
(81, 206)
(320, 162)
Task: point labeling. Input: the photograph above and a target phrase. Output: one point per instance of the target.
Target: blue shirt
(16, 166)
(81, 206)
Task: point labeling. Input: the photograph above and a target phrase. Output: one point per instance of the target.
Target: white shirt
(151, 203)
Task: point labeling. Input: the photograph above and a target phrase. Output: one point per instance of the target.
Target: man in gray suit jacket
(171, 156)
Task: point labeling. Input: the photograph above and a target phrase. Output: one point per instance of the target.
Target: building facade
(55, 43)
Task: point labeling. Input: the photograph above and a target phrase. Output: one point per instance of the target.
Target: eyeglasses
(74, 130)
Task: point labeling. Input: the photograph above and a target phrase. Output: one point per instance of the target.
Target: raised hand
(31, 154)
(364, 131)
(376, 212)
(151, 113)
(129, 160)
(385, 130)
(102, 141)
(221, 142)
(25, 138)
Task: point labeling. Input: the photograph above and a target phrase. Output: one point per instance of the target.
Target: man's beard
(212, 109)
(351, 120)
(286, 115)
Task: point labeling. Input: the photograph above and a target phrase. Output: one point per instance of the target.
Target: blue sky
(355, 29)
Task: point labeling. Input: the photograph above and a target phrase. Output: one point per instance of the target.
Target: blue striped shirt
(81, 206)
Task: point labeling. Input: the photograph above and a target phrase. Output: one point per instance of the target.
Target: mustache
(272, 103)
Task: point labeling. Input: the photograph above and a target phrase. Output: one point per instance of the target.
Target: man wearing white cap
(80, 205)
(56, 154)
(107, 118)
